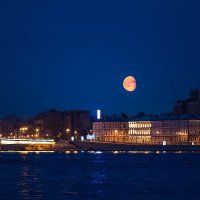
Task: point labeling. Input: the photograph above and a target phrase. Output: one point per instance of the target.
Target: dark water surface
(99, 176)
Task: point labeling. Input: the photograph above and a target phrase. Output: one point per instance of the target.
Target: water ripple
(99, 176)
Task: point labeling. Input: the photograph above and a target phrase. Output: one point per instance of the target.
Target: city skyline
(99, 99)
(75, 55)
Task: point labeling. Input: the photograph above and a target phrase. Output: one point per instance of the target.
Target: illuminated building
(49, 123)
(177, 131)
(9, 126)
(76, 123)
(152, 130)
(139, 132)
(169, 131)
(111, 131)
(123, 132)
(56, 124)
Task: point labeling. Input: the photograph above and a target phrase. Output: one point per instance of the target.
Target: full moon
(129, 83)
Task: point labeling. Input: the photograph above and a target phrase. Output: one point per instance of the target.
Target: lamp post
(37, 132)
(75, 134)
(67, 133)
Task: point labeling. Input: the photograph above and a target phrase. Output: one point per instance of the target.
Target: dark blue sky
(75, 54)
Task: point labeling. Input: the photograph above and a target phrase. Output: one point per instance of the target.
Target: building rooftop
(150, 118)
(167, 117)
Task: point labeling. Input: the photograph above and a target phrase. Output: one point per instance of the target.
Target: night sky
(74, 54)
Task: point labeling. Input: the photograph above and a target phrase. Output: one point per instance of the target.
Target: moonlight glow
(129, 83)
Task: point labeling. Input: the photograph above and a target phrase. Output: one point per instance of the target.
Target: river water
(88, 176)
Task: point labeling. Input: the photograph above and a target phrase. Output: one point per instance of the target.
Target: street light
(67, 131)
(37, 132)
(76, 135)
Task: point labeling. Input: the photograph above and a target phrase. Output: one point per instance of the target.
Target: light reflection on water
(91, 176)
(99, 174)
(29, 183)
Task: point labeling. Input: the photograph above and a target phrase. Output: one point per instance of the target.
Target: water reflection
(91, 176)
(99, 175)
(29, 181)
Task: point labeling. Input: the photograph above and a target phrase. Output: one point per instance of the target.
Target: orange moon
(129, 83)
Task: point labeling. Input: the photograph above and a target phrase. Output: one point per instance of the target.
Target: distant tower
(99, 114)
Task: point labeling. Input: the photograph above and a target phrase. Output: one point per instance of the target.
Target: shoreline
(99, 146)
